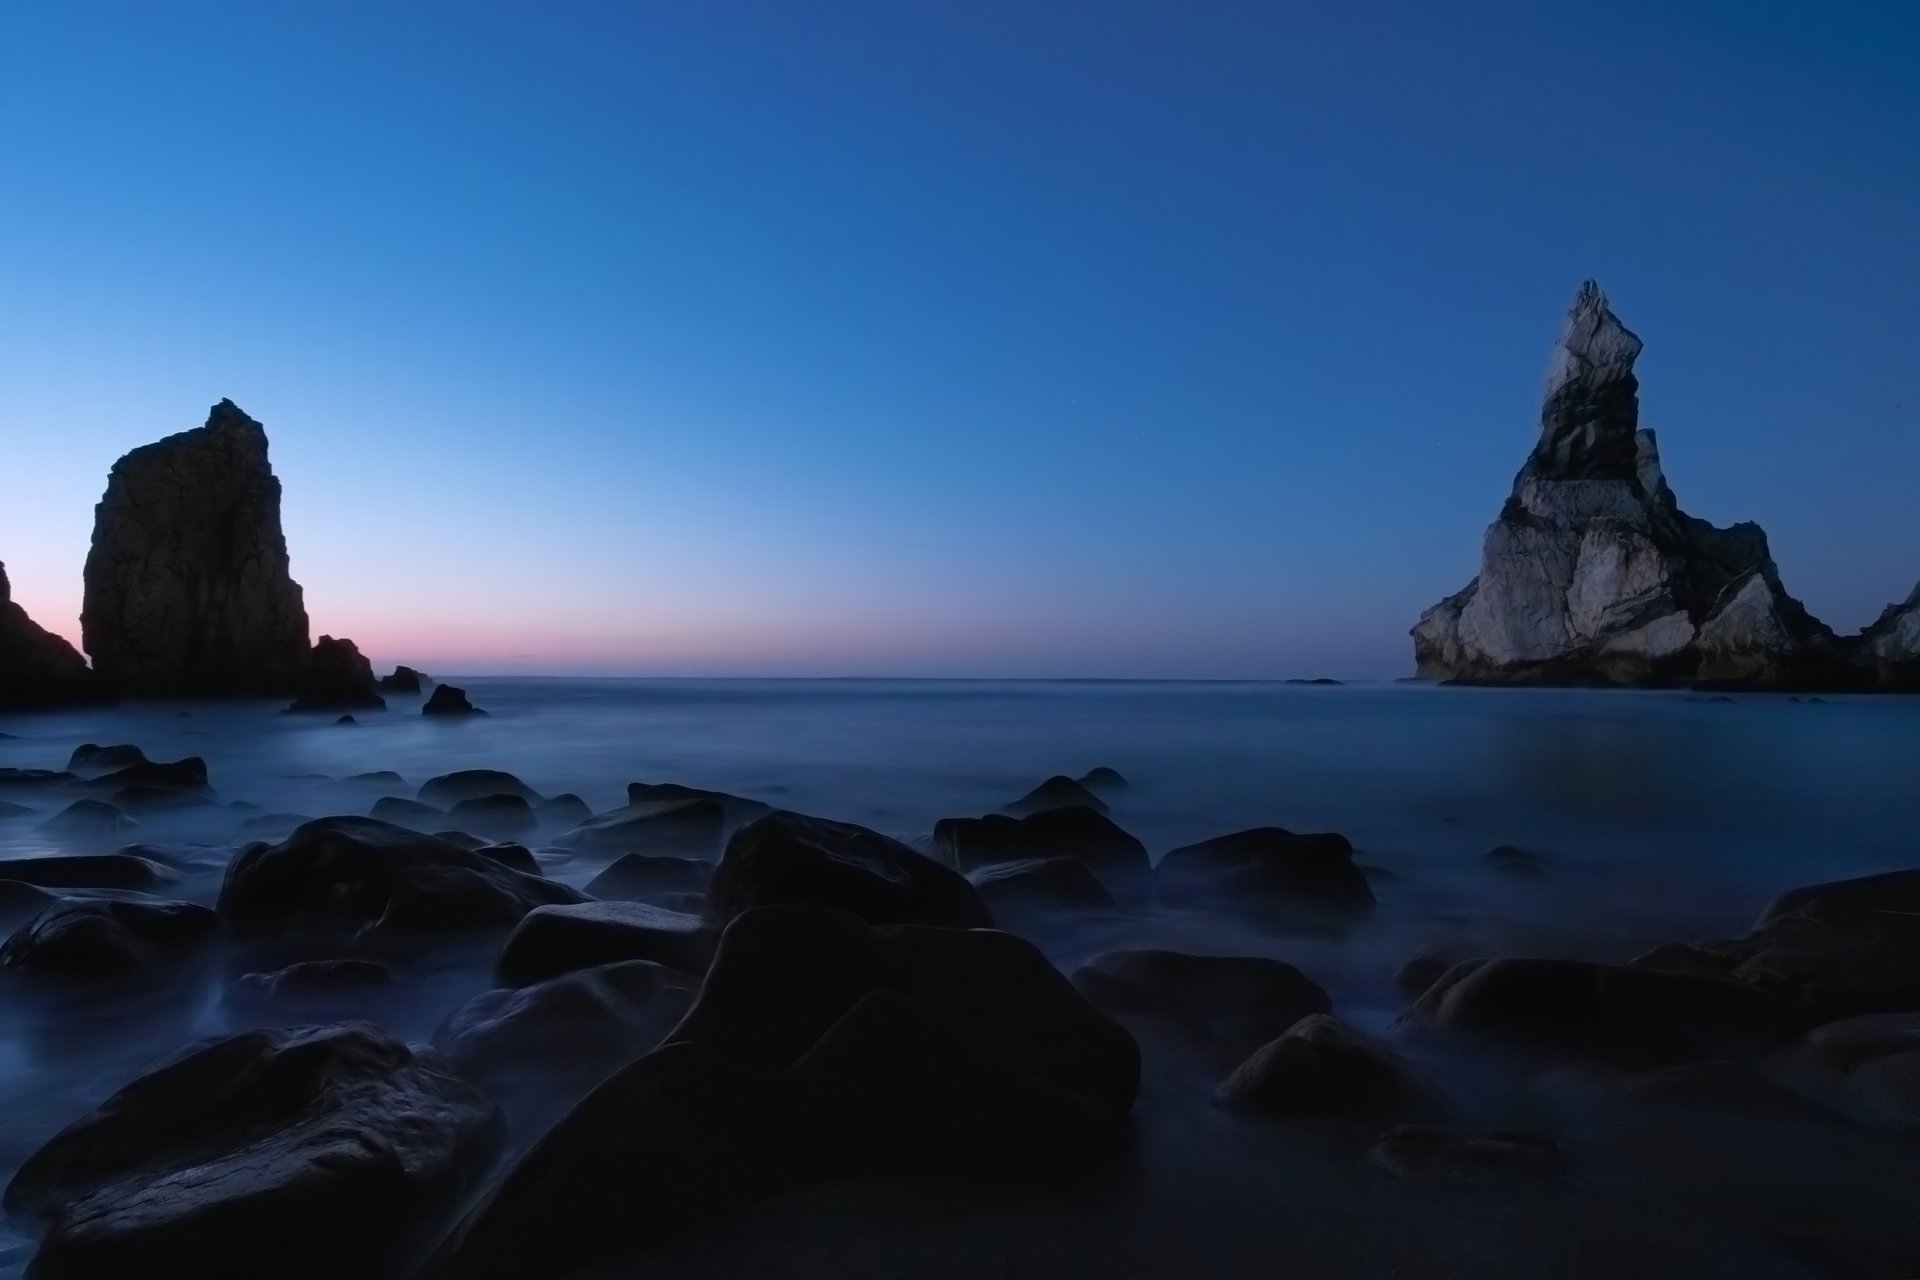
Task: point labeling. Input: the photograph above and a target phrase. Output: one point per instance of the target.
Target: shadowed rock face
(1593, 575)
(188, 590)
(37, 668)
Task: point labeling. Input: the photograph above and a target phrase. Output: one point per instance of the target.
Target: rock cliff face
(187, 584)
(1592, 574)
(37, 668)
(1889, 650)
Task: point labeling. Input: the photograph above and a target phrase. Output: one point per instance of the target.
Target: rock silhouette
(338, 678)
(37, 668)
(188, 589)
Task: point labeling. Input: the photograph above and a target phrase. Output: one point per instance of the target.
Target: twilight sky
(956, 337)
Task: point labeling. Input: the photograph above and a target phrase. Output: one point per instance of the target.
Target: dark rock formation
(87, 820)
(403, 680)
(1514, 861)
(338, 678)
(636, 876)
(1425, 1151)
(1888, 651)
(449, 701)
(106, 946)
(687, 825)
(739, 809)
(515, 857)
(1057, 792)
(330, 1151)
(550, 941)
(187, 774)
(1103, 778)
(90, 871)
(1228, 1005)
(542, 1047)
(792, 858)
(355, 886)
(1271, 863)
(1422, 969)
(1041, 885)
(1593, 574)
(1077, 832)
(1572, 1010)
(817, 1049)
(37, 668)
(90, 757)
(563, 810)
(1323, 1066)
(187, 584)
(314, 991)
(498, 817)
(449, 789)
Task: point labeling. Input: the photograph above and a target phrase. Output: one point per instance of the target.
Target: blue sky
(974, 338)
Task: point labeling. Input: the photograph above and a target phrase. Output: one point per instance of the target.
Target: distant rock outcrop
(37, 668)
(449, 700)
(339, 678)
(1889, 650)
(187, 584)
(403, 680)
(1592, 574)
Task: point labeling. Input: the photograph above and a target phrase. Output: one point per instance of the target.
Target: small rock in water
(564, 810)
(503, 816)
(1415, 1151)
(633, 877)
(346, 720)
(89, 755)
(87, 820)
(1322, 1065)
(1041, 884)
(1057, 792)
(403, 680)
(1084, 834)
(1271, 863)
(1230, 1005)
(1422, 969)
(449, 701)
(550, 941)
(1103, 778)
(692, 825)
(449, 789)
(1515, 861)
(407, 813)
(339, 678)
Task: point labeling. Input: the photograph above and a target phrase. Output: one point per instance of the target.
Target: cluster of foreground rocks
(746, 1000)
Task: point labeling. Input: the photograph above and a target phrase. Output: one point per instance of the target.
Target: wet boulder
(1569, 1009)
(1103, 778)
(316, 991)
(788, 857)
(149, 800)
(501, 816)
(31, 780)
(90, 871)
(1077, 832)
(87, 820)
(338, 678)
(550, 941)
(91, 757)
(1271, 863)
(563, 810)
(541, 1047)
(1041, 885)
(516, 857)
(1427, 1152)
(634, 877)
(1426, 966)
(316, 1152)
(186, 774)
(1227, 1006)
(738, 809)
(1057, 792)
(407, 813)
(107, 946)
(449, 789)
(818, 1048)
(1322, 1066)
(694, 825)
(447, 700)
(1869, 1065)
(353, 886)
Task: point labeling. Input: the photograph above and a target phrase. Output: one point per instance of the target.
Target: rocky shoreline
(667, 1014)
(1592, 575)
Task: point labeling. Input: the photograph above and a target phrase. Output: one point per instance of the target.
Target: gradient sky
(947, 338)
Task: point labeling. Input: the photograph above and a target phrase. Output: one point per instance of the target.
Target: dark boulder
(91, 756)
(550, 941)
(1041, 885)
(338, 678)
(8, 810)
(33, 779)
(1322, 1066)
(461, 839)
(90, 871)
(1271, 863)
(87, 820)
(1057, 792)
(1427, 1152)
(636, 876)
(188, 591)
(402, 680)
(1569, 1009)
(447, 700)
(1076, 832)
(738, 809)
(38, 669)
(1515, 861)
(691, 825)
(407, 813)
(271, 826)
(352, 885)
(315, 991)
(107, 946)
(499, 816)
(1102, 778)
(346, 721)
(542, 1047)
(1422, 969)
(1227, 1005)
(1869, 1065)
(449, 789)
(516, 857)
(818, 1048)
(563, 810)
(187, 774)
(160, 799)
(792, 858)
(20, 902)
(330, 1151)
(380, 779)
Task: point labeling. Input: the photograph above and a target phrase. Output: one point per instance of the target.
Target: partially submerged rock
(448, 789)
(786, 858)
(652, 826)
(503, 816)
(1320, 1065)
(407, 813)
(636, 876)
(317, 1152)
(338, 678)
(1086, 835)
(188, 590)
(1057, 792)
(563, 810)
(91, 757)
(1425, 1151)
(90, 871)
(107, 947)
(1271, 863)
(1227, 1005)
(402, 680)
(550, 941)
(88, 820)
(315, 991)
(446, 700)
(1042, 885)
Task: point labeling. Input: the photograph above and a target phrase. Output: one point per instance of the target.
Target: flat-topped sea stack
(1593, 575)
(188, 588)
